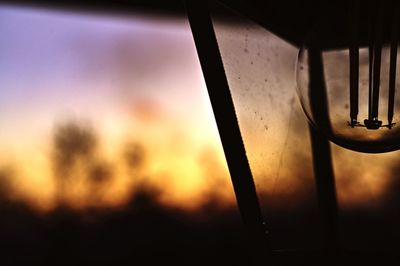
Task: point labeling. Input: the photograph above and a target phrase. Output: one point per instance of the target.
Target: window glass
(260, 68)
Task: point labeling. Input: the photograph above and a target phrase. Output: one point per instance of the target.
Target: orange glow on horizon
(100, 111)
(128, 103)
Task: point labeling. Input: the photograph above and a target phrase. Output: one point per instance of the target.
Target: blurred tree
(74, 149)
(5, 184)
(72, 142)
(134, 155)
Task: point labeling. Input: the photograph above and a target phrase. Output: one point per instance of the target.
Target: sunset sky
(130, 79)
(136, 80)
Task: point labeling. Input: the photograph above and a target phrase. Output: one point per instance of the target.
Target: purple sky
(128, 77)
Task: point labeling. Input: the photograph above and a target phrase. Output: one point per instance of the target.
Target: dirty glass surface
(260, 68)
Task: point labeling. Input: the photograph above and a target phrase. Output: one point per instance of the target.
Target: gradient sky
(129, 78)
(137, 79)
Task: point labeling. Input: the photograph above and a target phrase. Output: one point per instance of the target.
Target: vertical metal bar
(317, 91)
(370, 59)
(374, 107)
(323, 171)
(393, 62)
(354, 58)
(227, 123)
(375, 62)
(376, 17)
(326, 190)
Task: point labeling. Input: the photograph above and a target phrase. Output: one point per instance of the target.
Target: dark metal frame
(218, 89)
(228, 127)
(224, 111)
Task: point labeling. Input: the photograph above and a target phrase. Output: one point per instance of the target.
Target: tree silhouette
(134, 155)
(72, 142)
(74, 148)
(5, 184)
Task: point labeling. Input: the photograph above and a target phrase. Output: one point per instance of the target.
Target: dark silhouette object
(72, 142)
(5, 186)
(322, 161)
(372, 26)
(100, 173)
(293, 28)
(75, 158)
(326, 193)
(354, 61)
(143, 232)
(134, 155)
(378, 11)
(228, 127)
(133, 235)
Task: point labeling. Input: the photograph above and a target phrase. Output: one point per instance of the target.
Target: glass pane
(260, 68)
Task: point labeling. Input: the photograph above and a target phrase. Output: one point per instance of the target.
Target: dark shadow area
(375, 228)
(145, 232)
(141, 233)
